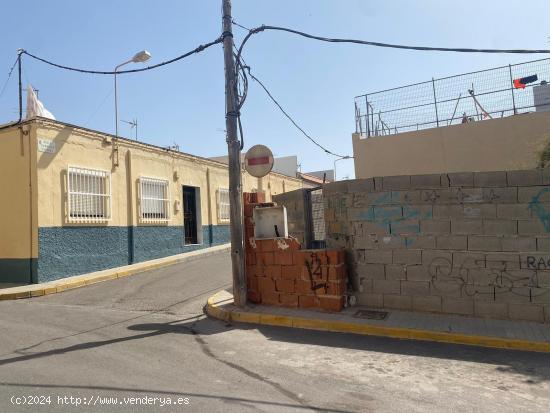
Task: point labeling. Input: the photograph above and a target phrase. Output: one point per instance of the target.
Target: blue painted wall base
(67, 251)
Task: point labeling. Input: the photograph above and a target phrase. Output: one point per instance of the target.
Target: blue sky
(316, 82)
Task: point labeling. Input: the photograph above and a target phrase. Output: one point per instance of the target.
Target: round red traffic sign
(258, 161)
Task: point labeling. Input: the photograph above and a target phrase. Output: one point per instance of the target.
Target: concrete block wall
(294, 202)
(473, 243)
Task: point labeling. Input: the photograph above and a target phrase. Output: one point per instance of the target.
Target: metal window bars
(467, 97)
(88, 195)
(223, 204)
(154, 200)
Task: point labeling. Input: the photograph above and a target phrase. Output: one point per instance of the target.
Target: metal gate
(315, 219)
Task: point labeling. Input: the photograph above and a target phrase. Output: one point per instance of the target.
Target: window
(223, 204)
(154, 200)
(89, 195)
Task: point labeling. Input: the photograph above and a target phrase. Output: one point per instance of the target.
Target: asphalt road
(132, 340)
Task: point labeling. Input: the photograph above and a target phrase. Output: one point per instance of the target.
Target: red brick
(246, 198)
(289, 300)
(266, 245)
(271, 297)
(247, 210)
(285, 286)
(273, 271)
(254, 297)
(252, 283)
(336, 288)
(303, 287)
(293, 244)
(260, 197)
(291, 272)
(299, 257)
(283, 257)
(335, 256)
(337, 272)
(308, 301)
(266, 285)
(265, 258)
(332, 303)
(251, 270)
(250, 259)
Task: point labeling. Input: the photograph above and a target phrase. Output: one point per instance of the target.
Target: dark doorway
(190, 217)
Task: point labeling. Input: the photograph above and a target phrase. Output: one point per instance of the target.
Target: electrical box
(270, 222)
(541, 97)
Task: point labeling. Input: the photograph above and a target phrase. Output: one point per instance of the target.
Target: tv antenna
(133, 125)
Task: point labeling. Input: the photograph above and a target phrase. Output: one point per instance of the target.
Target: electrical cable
(100, 72)
(379, 44)
(291, 119)
(9, 76)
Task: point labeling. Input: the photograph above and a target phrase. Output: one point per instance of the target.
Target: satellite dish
(258, 161)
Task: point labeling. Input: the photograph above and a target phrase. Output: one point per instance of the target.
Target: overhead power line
(390, 45)
(143, 69)
(8, 79)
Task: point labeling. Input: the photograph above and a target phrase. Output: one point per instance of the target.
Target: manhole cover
(371, 314)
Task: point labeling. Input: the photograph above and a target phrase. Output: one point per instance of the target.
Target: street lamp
(139, 57)
(336, 160)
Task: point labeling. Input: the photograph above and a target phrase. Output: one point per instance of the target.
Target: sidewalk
(52, 287)
(515, 335)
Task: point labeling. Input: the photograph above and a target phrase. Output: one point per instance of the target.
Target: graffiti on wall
(490, 278)
(539, 209)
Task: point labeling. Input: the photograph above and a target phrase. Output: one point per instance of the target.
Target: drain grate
(371, 314)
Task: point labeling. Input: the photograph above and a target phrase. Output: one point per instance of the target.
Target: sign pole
(234, 155)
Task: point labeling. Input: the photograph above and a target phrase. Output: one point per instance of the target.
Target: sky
(183, 103)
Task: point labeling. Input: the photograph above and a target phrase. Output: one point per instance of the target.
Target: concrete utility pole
(234, 152)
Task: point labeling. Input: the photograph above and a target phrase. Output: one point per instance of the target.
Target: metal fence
(468, 97)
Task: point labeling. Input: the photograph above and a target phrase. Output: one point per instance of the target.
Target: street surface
(145, 337)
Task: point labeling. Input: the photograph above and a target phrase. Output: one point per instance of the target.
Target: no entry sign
(258, 161)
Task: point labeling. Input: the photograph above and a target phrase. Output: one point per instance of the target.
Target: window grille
(89, 195)
(154, 200)
(223, 204)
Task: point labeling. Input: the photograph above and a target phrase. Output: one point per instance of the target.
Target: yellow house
(75, 200)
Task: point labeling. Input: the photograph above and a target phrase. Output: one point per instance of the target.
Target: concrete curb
(215, 308)
(52, 287)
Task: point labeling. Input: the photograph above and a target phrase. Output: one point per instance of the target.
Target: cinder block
(507, 195)
(378, 228)
(335, 187)
(415, 212)
(430, 256)
(415, 288)
(396, 182)
(468, 259)
(452, 242)
(420, 242)
(521, 244)
(484, 243)
(547, 313)
(543, 244)
(398, 302)
(490, 309)
(480, 211)
(459, 179)
(466, 226)
(386, 286)
(406, 197)
(360, 214)
(528, 177)
(435, 196)
(490, 179)
(535, 261)
(396, 272)
(426, 181)
(405, 227)
(435, 226)
(526, 312)
(391, 242)
(361, 185)
(457, 306)
(383, 213)
(448, 211)
(513, 211)
(367, 242)
(533, 194)
(378, 256)
(427, 303)
(370, 300)
(500, 227)
(446, 288)
(418, 273)
(407, 256)
(371, 271)
(532, 227)
(466, 195)
(502, 260)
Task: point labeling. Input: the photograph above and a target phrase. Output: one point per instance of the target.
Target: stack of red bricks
(280, 273)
